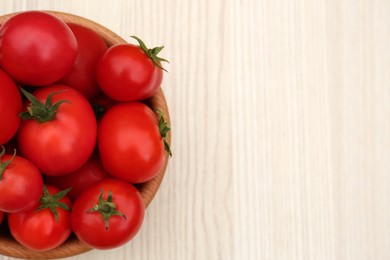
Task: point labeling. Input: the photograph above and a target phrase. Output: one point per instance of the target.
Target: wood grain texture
(281, 126)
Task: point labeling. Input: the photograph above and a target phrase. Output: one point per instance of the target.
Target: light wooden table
(281, 126)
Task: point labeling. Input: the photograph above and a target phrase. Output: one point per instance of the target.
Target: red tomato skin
(130, 144)
(37, 48)
(10, 107)
(91, 172)
(91, 47)
(38, 230)
(62, 145)
(20, 186)
(126, 73)
(90, 227)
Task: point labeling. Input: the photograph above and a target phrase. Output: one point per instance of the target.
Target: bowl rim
(71, 247)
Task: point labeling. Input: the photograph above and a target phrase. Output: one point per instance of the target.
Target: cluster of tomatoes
(75, 132)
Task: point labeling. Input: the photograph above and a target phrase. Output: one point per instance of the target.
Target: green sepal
(4, 165)
(164, 128)
(52, 201)
(36, 110)
(107, 208)
(152, 53)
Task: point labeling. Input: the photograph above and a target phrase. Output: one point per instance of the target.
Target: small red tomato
(91, 46)
(91, 172)
(108, 214)
(10, 107)
(45, 226)
(37, 48)
(127, 72)
(58, 133)
(20, 183)
(130, 143)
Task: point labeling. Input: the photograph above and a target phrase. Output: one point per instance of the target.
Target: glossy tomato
(58, 140)
(127, 72)
(20, 183)
(130, 144)
(90, 47)
(108, 214)
(91, 172)
(37, 48)
(10, 107)
(46, 225)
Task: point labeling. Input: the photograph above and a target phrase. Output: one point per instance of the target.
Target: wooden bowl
(8, 245)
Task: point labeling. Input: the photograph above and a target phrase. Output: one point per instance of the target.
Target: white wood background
(281, 126)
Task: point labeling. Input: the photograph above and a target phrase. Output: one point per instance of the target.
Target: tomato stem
(53, 202)
(39, 111)
(4, 165)
(164, 129)
(152, 53)
(107, 208)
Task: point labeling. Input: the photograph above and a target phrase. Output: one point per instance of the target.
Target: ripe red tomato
(46, 225)
(10, 107)
(20, 183)
(130, 144)
(122, 206)
(127, 72)
(90, 47)
(91, 172)
(63, 144)
(37, 48)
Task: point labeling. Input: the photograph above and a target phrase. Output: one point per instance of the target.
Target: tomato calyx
(164, 129)
(38, 111)
(3, 165)
(52, 202)
(107, 208)
(152, 53)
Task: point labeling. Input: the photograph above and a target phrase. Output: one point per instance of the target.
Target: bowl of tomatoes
(86, 141)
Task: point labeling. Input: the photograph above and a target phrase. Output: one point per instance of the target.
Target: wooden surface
(281, 126)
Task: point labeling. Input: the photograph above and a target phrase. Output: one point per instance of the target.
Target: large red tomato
(46, 225)
(130, 144)
(20, 183)
(127, 72)
(37, 48)
(58, 140)
(90, 47)
(10, 107)
(108, 214)
(91, 172)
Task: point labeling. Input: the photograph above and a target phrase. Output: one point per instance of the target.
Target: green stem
(107, 208)
(4, 165)
(52, 202)
(38, 111)
(152, 53)
(164, 129)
